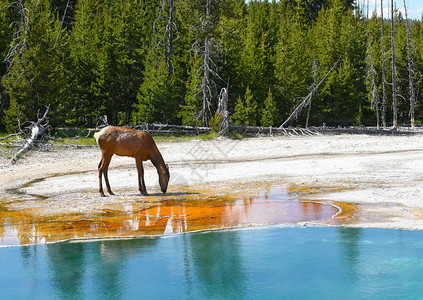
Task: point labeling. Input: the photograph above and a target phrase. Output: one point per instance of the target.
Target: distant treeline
(166, 61)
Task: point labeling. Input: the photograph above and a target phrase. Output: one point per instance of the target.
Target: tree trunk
(371, 72)
(170, 39)
(384, 97)
(205, 86)
(410, 70)
(394, 71)
(168, 32)
(222, 110)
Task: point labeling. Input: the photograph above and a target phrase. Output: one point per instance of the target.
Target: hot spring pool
(274, 262)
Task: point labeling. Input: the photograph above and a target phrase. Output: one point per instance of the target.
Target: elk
(138, 144)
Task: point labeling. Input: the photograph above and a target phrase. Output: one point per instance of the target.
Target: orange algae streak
(346, 215)
(161, 215)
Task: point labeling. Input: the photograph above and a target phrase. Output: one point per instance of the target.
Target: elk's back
(124, 141)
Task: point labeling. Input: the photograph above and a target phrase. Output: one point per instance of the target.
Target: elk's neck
(157, 160)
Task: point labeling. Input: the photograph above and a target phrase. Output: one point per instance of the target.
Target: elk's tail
(96, 136)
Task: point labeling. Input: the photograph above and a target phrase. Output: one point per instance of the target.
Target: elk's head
(164, 178)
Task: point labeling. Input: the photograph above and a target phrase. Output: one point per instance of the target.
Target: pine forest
(331, 62)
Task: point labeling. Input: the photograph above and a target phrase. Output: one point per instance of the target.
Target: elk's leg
(103, 168)
(100, 183)
(141, 183)
(106, 176)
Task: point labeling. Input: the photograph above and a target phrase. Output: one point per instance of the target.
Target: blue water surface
(255, 263)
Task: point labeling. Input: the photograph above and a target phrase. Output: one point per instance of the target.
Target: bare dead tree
(222, 110)
(206, 24)
(207, 48)
(394, 70)
(170, 26)
(36, 130)
(371, 74)
(19, 43)
(384, 94)
(165, 35)
(205, 84)
(307, 99)
(411, 70)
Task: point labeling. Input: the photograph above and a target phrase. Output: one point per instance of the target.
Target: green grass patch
(185, 138)
(9, 139)
(171, 137)
(72, 136)
(81, 141)
(235, 135)
(84, 137)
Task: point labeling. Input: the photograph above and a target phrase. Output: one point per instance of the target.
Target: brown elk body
(140, 145)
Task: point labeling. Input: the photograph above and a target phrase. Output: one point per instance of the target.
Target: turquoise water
(256, 263)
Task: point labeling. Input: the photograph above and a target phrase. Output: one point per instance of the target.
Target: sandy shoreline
(382, 175)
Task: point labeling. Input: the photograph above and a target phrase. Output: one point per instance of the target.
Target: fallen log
(273, 130)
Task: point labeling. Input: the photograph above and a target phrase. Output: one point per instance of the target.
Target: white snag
(37, 129)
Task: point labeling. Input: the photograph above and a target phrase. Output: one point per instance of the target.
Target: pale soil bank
(383, 175)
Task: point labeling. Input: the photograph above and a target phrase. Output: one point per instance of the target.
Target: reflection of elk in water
(133, 143)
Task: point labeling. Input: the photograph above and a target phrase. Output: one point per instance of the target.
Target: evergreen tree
(256, 60)
(155, 97)
(84, 102)
(233, 38)
(345, 108)
(126, 37)
(417, 34)
(7, 16)
(36, 78)
(245, 110)
(108, 50)
(190, 110)
(110, 61)
(270, 113)
(339, 34)
(293, 61)
(239, 117)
